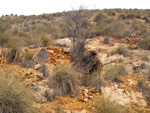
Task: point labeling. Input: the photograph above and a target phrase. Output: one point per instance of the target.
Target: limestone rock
(37, 66)
(83, 111)
(67, 50)
(66, 42)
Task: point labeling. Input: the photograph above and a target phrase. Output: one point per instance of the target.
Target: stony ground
(126, 93)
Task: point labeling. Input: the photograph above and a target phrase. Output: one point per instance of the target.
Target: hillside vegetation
(32, 30)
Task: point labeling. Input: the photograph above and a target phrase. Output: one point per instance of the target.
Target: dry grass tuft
(14, 96)
(66, 79)
(104, 105)
(115, 72)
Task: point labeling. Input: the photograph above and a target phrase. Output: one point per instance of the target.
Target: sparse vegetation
(15, 97)
(144, 57)
(109, 27)
(78, 25)
(14, 53)
(59, 109)
(120, 50)
(21, 35)
(104, 105)
(66, 79)
(145, 88)
(144, 43)
(29, 55)
(115, 73)
(95, 80)
(137, 25)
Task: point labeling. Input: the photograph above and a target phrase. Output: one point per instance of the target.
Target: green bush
(66, 79)
(115, 73)
(14, 96)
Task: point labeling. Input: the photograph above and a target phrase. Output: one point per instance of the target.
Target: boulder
(27, 63)
(37, 66)
(42, 56)
(66, 42)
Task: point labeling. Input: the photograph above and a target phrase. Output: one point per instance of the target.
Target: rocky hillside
(125, 75)
(42, 70)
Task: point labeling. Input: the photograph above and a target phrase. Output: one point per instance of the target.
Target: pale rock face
(64, 42)
(83, 111)
(129, 68)
(123, 97)
(107, 60)
(37, 66)
(68, 112)
(67, 50)
(43, 93)
(40, 93)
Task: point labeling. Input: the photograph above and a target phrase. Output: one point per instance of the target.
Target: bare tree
(79, 28)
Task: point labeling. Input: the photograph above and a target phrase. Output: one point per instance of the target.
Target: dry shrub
(15, 97)
(95, 79)
(115, 72)
(14, 51)
(145, 88)
(27, 61)
(29, 55)
(120, 50)
(109, 27)
(66, 79)
(59, 109)
(144, 43)
(137, 25)
(145, 57)
(104, 105)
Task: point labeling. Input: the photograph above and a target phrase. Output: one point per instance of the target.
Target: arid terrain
(101, 66)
